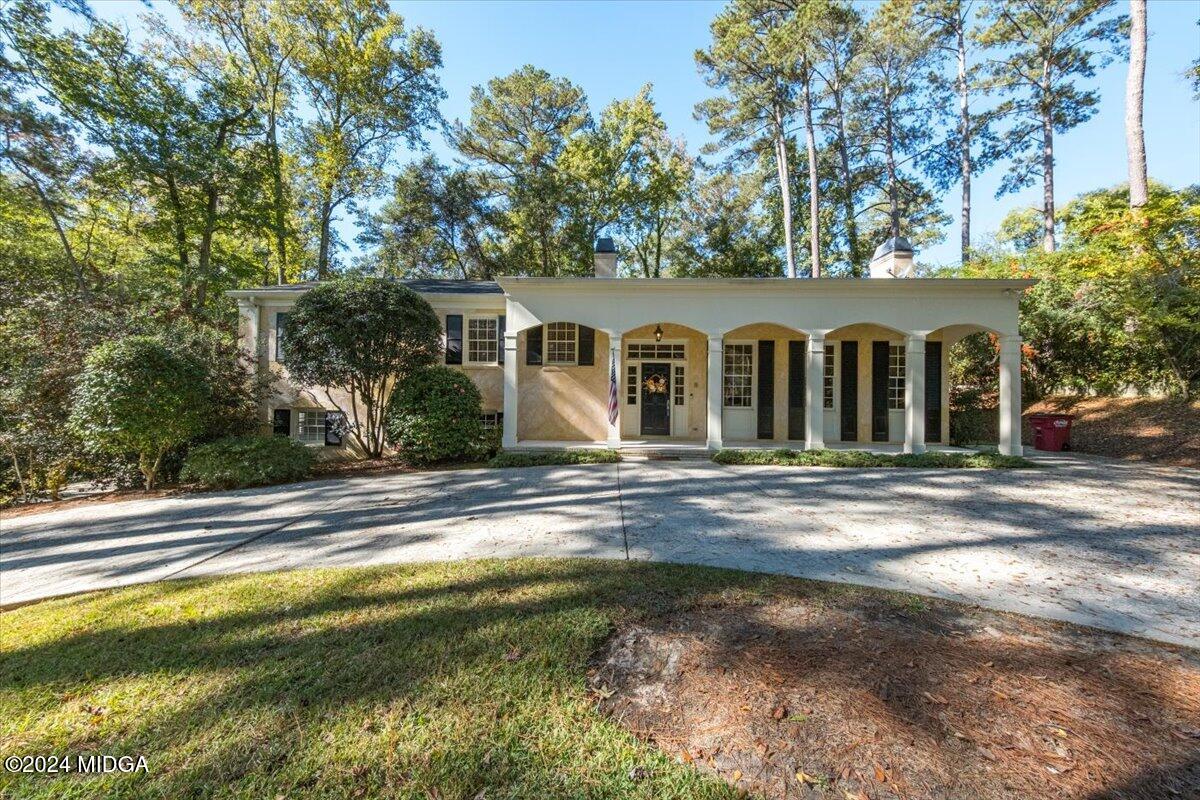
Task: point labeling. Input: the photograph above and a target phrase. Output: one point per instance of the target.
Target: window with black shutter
(281, 422)
(933, 391)
(880, 355)
(533, 347)
(766, 389)
(797, 402)
(587, 346)
(849, 427)
(335, 428)
(280, 334)
(500, 333)
(454, 338)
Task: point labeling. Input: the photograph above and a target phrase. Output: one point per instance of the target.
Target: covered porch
(693, 365)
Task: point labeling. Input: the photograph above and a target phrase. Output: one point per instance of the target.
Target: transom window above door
(483, 340)
(562, 343)
(657, 350)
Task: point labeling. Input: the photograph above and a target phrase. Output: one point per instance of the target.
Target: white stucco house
(700, 362)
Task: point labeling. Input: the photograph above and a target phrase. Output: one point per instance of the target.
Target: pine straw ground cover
(1163, 430)
(495, 679)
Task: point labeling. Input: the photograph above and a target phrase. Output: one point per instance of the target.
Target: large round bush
(238, 461)
(359, 335)
(137, 395)
(434, 416)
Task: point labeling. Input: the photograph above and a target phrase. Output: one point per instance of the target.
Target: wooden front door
(656, 399)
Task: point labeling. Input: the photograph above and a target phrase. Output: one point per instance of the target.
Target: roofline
(774, 284)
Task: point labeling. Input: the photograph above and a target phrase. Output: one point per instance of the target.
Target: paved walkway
(1106, 544)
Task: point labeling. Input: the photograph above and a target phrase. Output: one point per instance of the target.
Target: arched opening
(971, 395)
(562, 372)
(662, 383)
(762, 384)
(862, 395)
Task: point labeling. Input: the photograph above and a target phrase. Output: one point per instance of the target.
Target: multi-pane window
(631, 385)
(896, 377)
(677, 389)
(490, 419)
(310, 427)
(657, 350)
(482, 340)
(827, 377)
(280, 334)
(739, 375)
(562, 340)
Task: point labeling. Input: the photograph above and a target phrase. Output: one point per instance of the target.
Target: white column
(510, 390)
(716, 366)
(614, 366)
(815, 390)
(914, 393)
(1010, 395)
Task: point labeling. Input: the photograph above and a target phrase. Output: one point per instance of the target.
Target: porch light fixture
(658, 333)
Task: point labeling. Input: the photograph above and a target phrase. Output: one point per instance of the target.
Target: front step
(664, 454)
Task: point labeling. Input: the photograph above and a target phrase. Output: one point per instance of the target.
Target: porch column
(614, 367)
(509, 438)
(814, 418)
(914, 393)
(716, 366)
(1010, 395)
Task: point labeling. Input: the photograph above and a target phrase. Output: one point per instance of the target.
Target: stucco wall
(697, 379)
(563, 403)
(780, 335)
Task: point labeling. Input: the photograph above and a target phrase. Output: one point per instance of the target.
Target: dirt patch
(865, 697)
(112, 496)
(1164, 430)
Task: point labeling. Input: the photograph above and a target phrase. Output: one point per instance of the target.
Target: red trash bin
(1051, 432)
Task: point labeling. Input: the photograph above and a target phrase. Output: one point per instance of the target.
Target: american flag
(612, 388)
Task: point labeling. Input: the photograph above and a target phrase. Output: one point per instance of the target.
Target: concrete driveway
(1112, 545)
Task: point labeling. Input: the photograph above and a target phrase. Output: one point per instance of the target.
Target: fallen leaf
(880, 775)
(513, 655)
(780, 712)
(737, 775)
(933, 698)
(804, 777)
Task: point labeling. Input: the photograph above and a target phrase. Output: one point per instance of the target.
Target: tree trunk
(323, 251)
(1047, 162)
(72, 262)
(848, 191)
(1135, 81)
(181, 244)
(814, 190)
(892, 190)
(964, 129)
(277, 196)
(785, 191)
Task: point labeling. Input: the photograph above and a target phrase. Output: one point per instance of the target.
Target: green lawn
(548, 458)
(424, 681)
(859, 458)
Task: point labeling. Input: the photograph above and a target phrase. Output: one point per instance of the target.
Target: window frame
(277, 340)
(829, 377)
(748, 376)
(547, 348)
(897, 361)
(298, 425)
(467, 360)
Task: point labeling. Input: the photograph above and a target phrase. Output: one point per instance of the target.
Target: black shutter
(500, 339)
(849, 391)
(454, 339)
(879, 391)
(280, 334)
(933, 391)
(533, 347)
(766, 389)
(281, 422)
(796, 399)
(335, 428)
(587, 346)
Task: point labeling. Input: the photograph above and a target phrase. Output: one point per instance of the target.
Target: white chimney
(893, 259)
(606, 258)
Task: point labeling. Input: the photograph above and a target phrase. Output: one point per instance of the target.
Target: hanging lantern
(658, 333)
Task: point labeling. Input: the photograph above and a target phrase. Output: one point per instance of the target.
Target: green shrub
(238, 461)
(137, 395)
(860, 459)
(434, 416)
(548, 458)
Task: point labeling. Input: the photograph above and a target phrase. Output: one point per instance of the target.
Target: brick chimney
(893, 259)
(606, 258)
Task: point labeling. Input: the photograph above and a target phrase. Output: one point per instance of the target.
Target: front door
(656, 399)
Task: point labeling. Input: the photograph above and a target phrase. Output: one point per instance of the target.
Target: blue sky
(612, 47)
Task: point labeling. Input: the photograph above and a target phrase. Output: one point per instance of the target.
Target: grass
(548, 458)
(436, 680)
(859, 458)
